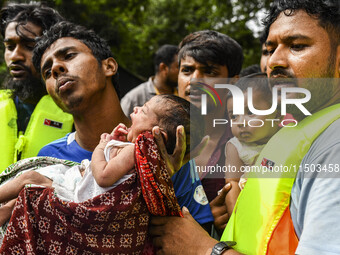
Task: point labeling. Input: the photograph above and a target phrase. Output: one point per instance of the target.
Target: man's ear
(163, 67)
(234, 79)
(110, 66)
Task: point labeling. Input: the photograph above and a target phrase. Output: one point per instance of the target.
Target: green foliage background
(136, 28)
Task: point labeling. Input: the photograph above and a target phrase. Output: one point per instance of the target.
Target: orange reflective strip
(283, 240)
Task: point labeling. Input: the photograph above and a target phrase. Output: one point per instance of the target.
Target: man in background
(164, 81)
(29, 118)
(286, 215)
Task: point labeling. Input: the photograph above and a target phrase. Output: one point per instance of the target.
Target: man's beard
(321, 88)
(171, 83)
(28, 90)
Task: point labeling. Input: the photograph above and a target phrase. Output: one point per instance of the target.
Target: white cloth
(65, 179)
(71, 186)
(248, 152)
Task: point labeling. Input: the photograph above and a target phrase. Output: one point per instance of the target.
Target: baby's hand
(105, 137)
(120, 132)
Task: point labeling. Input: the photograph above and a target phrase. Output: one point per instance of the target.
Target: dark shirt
(213, 182)
(24, 112)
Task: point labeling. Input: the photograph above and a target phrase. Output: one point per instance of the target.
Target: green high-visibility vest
(47, 123)
(263, 201)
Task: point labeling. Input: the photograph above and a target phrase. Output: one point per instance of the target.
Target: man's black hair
(31, 88)
(326, 11)
(36, 13)
(250, 70)
(177, 111)
(209, 46)
(165, 54)
(263, 37)
(97, 45)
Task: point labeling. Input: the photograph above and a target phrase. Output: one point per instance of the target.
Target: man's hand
(176, 235)
(178, 158)
(175, 161)
(219, 209)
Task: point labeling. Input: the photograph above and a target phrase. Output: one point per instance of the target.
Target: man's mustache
(281, 76)
(18, 65)
(281, 72)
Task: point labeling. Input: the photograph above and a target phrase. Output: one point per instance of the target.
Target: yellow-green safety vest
(47, 123)
(263, 201)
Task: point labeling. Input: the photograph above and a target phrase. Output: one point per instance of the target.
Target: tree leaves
(136, 28)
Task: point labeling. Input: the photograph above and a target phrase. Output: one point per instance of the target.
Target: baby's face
(256, 133)
(143, 118)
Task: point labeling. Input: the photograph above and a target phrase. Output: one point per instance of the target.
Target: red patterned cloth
(157, 187)
(115, 222)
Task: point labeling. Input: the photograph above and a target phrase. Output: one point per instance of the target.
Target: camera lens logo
(238, 102)
(204, 96)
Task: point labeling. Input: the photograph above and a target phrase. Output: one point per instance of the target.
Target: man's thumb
(222, 194)
(185, 211)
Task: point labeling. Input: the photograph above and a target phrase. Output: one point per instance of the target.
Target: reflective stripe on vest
(264, 201)
(47, 123)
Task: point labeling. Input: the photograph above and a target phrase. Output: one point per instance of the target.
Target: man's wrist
(221, 247)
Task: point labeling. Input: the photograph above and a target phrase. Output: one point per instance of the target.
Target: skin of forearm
(98, 161)
(107, 173)
(6, 211)
(12, 189)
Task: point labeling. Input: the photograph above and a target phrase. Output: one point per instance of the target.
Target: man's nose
(278, 59)
(58, 68)
(197, 74)
(17, 55)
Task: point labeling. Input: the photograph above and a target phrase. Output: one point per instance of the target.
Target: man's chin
(194, 99)
(28, 89)
(19, 78)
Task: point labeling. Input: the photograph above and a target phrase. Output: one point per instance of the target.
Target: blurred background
(136, 28)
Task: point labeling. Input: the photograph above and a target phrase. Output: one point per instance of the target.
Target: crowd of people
(83, 171)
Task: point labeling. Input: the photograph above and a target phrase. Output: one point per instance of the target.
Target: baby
(114, 159)
(251, 132)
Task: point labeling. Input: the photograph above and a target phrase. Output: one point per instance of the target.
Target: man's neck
(90, 128)
(161, 85)
(100, 117)
(31, 101)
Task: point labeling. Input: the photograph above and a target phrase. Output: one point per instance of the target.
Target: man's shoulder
(140, 90)
(137, 96)
(66, 148)
(61, 142)
(326, 142)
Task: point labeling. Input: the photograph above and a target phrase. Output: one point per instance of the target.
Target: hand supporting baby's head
(167, 112)
(174, 111)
